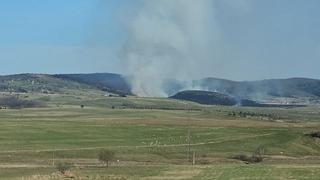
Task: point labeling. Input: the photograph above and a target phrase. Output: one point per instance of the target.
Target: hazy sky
(257, 39)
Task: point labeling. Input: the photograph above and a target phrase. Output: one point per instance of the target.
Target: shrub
(248, 159)
(315, 134)
(63, 167)
(241, 157)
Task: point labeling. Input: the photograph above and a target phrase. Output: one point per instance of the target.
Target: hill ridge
(296, 88)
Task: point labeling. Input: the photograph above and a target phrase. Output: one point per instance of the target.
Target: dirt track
(142, 146)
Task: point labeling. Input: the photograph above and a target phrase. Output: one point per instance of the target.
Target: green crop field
(156, 139)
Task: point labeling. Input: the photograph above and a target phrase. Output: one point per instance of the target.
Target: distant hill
(205, 97)
(213, 98)
(41, 83)
(114, 83)
(265, 89)
(64, 83)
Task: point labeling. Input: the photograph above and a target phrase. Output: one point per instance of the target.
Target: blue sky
(59, 36)
(261, 39)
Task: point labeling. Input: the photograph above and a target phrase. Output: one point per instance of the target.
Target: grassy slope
(39, 83)
(151, 142)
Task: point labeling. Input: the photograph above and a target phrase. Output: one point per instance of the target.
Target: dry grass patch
(178, 174)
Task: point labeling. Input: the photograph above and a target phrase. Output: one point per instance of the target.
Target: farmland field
(157, 139)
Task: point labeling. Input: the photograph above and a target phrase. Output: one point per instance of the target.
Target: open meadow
(157, 139)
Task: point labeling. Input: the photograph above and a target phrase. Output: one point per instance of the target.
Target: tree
(105, 156)
(257, 156)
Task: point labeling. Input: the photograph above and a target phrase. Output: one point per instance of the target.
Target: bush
(241, 157)
(63, 167)
(105, 156)
(248, 159)
(315, 134)
(255, 158)
(16, 103)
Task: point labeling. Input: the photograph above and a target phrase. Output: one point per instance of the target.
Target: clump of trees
(256, 157)
(106, 156)
(17, 103)
(244, 114)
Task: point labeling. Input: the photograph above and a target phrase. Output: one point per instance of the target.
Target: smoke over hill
(169, 39)
(294, 90)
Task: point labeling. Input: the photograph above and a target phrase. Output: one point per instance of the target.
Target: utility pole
(194, 158)
(189, 145)
(52, 158)
(189, 132)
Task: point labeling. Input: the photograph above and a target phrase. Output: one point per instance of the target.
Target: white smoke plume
(170, 39)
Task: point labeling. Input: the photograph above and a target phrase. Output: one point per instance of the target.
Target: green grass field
(151, 140)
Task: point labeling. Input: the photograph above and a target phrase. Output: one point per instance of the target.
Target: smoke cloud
(170, 39)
